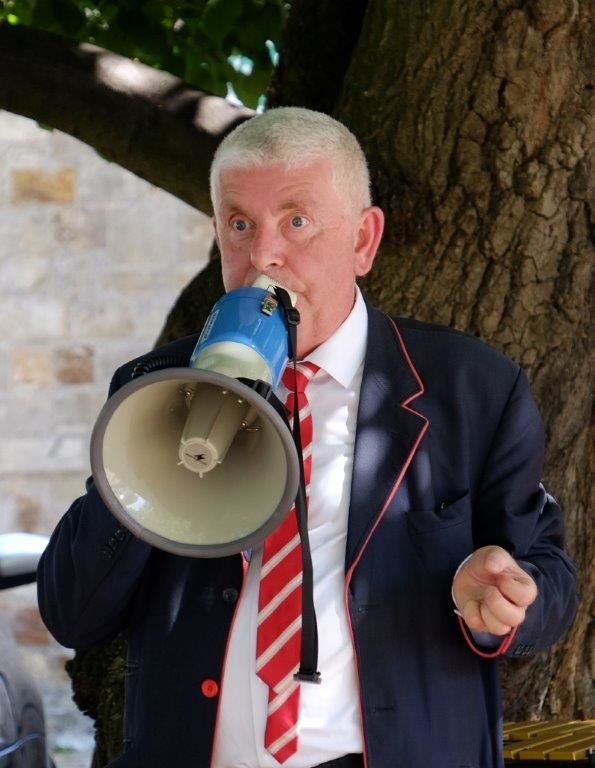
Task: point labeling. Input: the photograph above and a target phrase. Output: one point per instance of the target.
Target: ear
(368, 236)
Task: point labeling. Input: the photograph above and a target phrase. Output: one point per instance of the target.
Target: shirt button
(209, 688)
(229, 595)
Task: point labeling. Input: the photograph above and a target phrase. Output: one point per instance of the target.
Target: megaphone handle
(308, 671)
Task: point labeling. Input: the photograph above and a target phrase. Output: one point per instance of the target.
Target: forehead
(276, 186)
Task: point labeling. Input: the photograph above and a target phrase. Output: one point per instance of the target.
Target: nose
(267, 249)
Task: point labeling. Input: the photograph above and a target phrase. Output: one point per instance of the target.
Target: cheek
(231, 275)
(234, 268)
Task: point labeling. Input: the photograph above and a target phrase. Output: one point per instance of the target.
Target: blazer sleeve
(515, 512)
(89, 572)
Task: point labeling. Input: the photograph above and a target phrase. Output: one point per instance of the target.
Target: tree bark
(477, 118)
(145, 120)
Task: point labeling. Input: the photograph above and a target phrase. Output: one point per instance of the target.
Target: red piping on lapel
(394, 489)
(245, 565)
(389, 498)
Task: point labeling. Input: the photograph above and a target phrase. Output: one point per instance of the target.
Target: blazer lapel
(388, 430)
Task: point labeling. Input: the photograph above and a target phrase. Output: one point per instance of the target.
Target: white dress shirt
(330, 718)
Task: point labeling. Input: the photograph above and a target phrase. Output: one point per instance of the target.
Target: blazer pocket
(443, 536)
(451, 511)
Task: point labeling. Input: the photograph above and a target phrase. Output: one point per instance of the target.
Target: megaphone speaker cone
(249, 479)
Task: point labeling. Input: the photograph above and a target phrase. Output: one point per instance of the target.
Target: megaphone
(199, 461)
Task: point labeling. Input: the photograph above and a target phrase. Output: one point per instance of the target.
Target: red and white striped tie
(278, 638)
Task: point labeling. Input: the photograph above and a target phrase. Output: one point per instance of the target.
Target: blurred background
(91, 260)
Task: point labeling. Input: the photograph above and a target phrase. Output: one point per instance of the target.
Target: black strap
(308, 671)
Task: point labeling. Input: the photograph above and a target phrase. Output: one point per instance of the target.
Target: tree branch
(145, 120)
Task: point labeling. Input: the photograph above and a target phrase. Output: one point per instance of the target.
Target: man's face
(294, 226)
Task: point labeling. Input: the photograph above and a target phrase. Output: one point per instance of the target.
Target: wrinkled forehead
(319, 165)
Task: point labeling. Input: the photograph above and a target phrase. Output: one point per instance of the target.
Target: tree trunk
(477, 119)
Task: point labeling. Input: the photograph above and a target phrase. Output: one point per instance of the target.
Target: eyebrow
(288, 205)
(297, 202)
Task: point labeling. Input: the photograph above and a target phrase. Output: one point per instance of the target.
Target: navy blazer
(448, 458)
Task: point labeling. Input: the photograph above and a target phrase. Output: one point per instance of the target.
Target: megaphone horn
(199, 461)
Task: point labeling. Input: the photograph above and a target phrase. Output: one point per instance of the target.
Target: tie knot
(304, 372)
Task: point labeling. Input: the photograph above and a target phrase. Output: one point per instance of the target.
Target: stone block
(110, 319)
(22, 504)
(39, 500)
(119, 351)
(143, 235)
(163, 284)
(35, 185)
(3, 176)
(32, 366)
(28, 628)
(74, 365)
(106, 181)
(196, 238)
(63, 489)
(28, 513)
(14, 128)
(25, 233)
(65, 451)
(26, 411)
(154, 315)
(42, 318)
(132, 281)
(80, 227)
(77, 406)
(21, 276)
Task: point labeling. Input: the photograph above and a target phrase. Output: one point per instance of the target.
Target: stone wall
(91, 259)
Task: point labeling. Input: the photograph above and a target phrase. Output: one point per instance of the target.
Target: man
(426, 460)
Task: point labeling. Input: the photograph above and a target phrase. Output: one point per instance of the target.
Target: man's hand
(492, 592)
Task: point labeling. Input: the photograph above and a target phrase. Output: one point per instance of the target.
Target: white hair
(293, 137)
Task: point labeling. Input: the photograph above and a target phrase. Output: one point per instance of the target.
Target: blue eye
(240, 225)
(298, 222)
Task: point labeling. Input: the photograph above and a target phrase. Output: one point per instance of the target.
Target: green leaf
(219, 17)
(193, 39)
(19, 9)
(59, 15)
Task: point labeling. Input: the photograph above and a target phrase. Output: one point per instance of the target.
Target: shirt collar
(343, 352)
